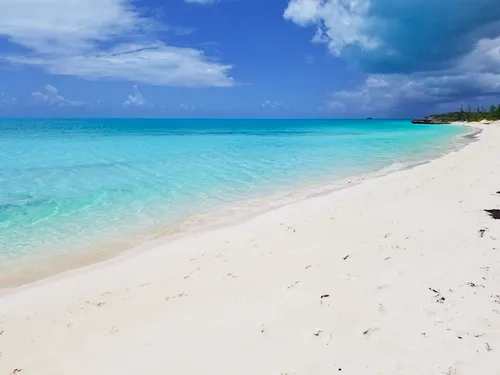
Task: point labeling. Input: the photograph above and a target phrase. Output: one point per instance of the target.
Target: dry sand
(397, 275)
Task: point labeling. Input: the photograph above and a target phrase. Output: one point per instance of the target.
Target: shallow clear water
(65, 184)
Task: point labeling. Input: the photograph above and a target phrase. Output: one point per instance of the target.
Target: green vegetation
(470, 115)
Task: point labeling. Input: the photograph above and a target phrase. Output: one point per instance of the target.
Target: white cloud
(186, 107)
(6, 101)
(381, 36)
(477, 75)
(268, 104)
(339, 22)
(203, 2)
(69, 37)
(136, 99)
(414, 52)
(51, 97)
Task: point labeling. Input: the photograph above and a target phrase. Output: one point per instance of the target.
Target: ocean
(85, 189)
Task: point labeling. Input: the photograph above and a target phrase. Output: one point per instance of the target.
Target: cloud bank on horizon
(412, 50)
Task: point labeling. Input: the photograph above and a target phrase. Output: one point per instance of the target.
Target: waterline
(107, 187)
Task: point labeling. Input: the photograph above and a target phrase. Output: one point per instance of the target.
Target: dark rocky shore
(428, 120)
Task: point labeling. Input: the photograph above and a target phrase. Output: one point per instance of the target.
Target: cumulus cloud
(411, 50)
(117, 42)
(398, 36)
(136, 99)
(477, 75)
(50, 96)
(268, 104)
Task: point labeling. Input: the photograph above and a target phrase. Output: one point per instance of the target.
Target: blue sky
(247, 58)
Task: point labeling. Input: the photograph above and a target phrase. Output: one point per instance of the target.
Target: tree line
(470, 114)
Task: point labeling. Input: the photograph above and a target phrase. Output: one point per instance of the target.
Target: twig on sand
(368, 331)
(294, 284)
(347, 256)
(472, 285)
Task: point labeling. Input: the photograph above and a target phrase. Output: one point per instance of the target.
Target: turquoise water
(68, 184)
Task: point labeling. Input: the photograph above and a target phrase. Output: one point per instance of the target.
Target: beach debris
(145, 284)
(293, 285)
(179, 295)
(460, 337)
(16, 370)
(324, 335)
(324, 298)
(381, 308)
(494, 213)
(481, 232)
(381, 287)
(112, 330)
(347, 256)
(488, 347)
(369, 331)
(472, 285)
(387, 235)
(439, 296)
(387, 258)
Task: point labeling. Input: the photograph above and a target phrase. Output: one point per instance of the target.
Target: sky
(247, 58)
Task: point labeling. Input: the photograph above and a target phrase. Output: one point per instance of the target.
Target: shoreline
(396, 275)
(60, 267)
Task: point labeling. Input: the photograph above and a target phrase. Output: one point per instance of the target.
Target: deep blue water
(68, 184)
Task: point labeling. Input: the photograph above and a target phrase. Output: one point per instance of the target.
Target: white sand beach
(397, 275)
